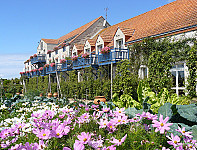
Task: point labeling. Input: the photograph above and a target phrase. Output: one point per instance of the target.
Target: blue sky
(24, 22)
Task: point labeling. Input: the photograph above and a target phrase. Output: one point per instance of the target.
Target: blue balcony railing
(50, 70)
(29, 75)
(43, 72)
(81, 63)
(39, 59)
(35, 74)
(113, 56)
(67, 66)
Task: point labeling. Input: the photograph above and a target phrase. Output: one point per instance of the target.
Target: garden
(142, 114)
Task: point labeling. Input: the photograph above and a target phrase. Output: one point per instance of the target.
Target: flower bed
(86, 55)
(46, 125)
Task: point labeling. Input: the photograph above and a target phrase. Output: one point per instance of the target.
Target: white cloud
(12, 64)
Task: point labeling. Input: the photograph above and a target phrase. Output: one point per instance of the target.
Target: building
(95, 38)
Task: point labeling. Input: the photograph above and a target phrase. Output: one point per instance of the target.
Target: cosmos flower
(161, 125)
(118, 142)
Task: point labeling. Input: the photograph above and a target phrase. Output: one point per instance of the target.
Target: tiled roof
(79, 46)
(77, 31)
(50, 41)
(72, 35)
(92, 42)
(175, 15)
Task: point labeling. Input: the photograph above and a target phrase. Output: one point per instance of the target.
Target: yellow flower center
(85, 116)
(58, 134)
(183, 131)
(119, 120)
(123, 121)
(119, 140)
(84, 139)
(175, 142)
(190, 146)
(19, 126)
(104, 124)
(162, 124)
(44, 134)
(119, 111)
(110, 127)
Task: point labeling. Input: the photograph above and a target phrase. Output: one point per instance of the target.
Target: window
(74, 54)
(119, 44)
(178, 75)
(64, 49)
(56, 52)
(87, 51)
(49, 55)
(143, 72)
(99, 47)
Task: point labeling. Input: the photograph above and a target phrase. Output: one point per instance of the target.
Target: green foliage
(192, 67)
(125, 81)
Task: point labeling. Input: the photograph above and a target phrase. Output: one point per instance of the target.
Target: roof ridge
(93, 21)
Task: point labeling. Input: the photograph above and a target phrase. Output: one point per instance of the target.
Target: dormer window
(87, 51)
(49, 55)
(64, 49)
(56, 52)
(74, 54)
(99, 47)
(119, 44)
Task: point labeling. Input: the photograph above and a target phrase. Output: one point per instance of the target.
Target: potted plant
(35, 55)
(105, 50)
(49, 51)
(62, 61)
(46, 65)
(31, 57)
(99, 99)
(74, 58)
(52, 64)
(40, 69)
(86, 55)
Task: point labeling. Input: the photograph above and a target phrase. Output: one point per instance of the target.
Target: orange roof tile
(175, 15)
(79, 46)
(75, 33)
(50, 41)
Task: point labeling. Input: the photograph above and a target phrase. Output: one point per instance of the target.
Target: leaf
(188, 112)
(131, 112)
(165, 110)
(194, 132)
(139, 92)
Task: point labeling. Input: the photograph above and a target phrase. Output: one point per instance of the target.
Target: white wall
(87, 46)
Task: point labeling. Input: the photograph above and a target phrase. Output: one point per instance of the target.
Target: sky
(24, 22)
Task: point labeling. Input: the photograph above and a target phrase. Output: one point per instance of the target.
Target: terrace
(53, 68)
(114, 55)
(67, 65)
(40, 58)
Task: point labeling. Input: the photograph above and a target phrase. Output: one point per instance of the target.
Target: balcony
(53, 69)
(67, 66)
(39, 59)
(81, 63)
(35, 73)
(43, 72)
(113, 56)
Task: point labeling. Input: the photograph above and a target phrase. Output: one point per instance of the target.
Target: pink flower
(44, 134)
(161, 125)
(52, 64)
(103, 123)
(84, 137)
(118, 142)
(105, 109)
(175, 141)
(58, 132)
(182, 131)
(78, 145)
(66, 148)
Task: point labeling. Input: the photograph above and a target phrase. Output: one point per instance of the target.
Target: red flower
(35, 55)
(62, 61)
(40, 69)
(46, 65)
(35, 70)
(52, 64)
